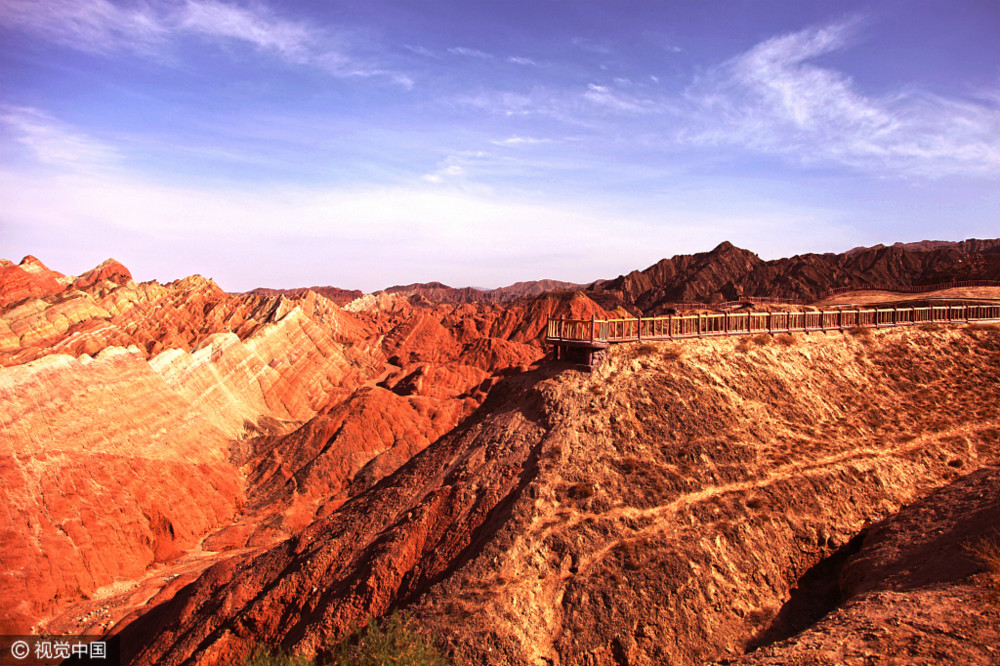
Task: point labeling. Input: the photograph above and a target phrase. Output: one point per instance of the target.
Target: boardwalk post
(564, 333)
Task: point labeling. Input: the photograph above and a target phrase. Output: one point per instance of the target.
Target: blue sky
(364, 144)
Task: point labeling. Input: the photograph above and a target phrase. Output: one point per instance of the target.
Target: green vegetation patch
(393, 640)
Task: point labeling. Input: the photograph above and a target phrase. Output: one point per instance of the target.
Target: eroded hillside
(659, 510)
(729, 272)
(147, 430)
(922, 589)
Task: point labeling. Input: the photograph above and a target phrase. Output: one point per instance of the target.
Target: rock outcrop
(918, 590)
(116, 460)
(29, 278)
(142, 422)
(728, 273)
(202, 472)
(657, 511)
(335, 295)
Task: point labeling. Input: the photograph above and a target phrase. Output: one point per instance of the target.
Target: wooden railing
(670, 327)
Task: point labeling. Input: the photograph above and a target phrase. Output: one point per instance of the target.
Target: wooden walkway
(570, 337)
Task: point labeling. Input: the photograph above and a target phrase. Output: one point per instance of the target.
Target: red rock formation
(728, 272)
(335, 295)
(916, 592)
(344, 450)
(110, 270)
(278, 394)
(29, 278)
(103, 477)
(657, 511)
(435, 292)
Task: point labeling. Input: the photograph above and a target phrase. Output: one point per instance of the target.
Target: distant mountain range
(437, 292)
(728, 273)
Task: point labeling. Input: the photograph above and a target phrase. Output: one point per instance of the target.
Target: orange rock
(29, 278)
(282, 419)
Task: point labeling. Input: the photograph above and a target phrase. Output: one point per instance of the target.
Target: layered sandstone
(115, 461)
(29, 278)
(119, 404)
(143, 423)
(660, 510)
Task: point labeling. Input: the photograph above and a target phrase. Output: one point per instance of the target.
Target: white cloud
(519, 141)
(774, 99)
(448, 172)
(578, 107)
(101, 26)
(97, 26)
(609, 98)
(293, 41)
(470, 53)
(52, 142)
(519, 60)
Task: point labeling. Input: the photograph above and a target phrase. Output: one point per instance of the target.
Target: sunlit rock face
(144, 424)
(204, 472)
(661, 509)
(29, 278)
(119, 404)
(728, 272)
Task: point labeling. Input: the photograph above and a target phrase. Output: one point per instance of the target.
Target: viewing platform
(586, 340)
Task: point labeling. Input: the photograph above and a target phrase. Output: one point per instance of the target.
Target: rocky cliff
(922, 588)
(728, 272)
(442, 293)
(660, 510)
(335, 295)
(203, 472)
(142, 422)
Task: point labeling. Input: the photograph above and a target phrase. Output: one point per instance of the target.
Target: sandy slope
(660, 510)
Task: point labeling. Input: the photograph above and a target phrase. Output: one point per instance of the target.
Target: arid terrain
(202, 473)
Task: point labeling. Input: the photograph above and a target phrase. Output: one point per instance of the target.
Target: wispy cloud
(445, 173)
(96, 26)
(774, 99)
(519, 141)
(574, 106)
(615, 100)
(520, 60)
(293, 41)
(470, 53)
(54, 143)
(104, 27)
